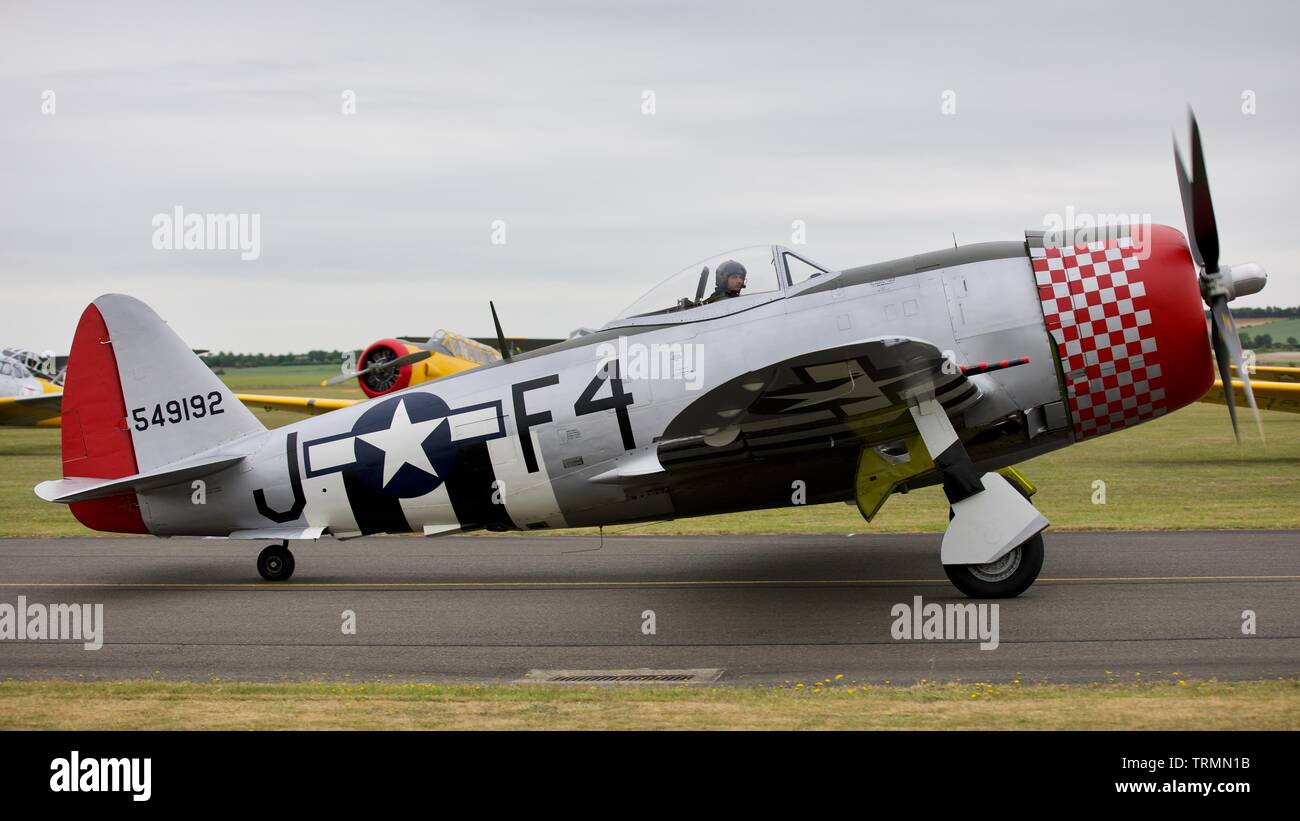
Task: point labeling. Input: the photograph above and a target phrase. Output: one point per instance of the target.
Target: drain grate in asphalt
(639, 676)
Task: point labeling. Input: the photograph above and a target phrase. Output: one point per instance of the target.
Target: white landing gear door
(990, 517)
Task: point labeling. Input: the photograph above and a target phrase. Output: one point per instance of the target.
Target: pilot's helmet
(726, 270)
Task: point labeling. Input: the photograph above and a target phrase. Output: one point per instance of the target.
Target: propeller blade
(1198, 207)
(1223, 359)
(1207, 230)
(1189, 218)
(378, 367)
(1203, 241)
(1227, 354)
(401, 361)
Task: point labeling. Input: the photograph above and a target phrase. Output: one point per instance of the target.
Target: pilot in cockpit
(730, 279)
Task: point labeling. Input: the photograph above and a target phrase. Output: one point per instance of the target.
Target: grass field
(290, 380)
(1286, 359)
(1279, 329)
(1180, 472)
(826, 705)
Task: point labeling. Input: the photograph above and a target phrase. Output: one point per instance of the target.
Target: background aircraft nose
(378, 383)
(1129, 325)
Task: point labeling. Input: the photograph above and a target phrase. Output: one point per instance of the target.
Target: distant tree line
(1266, 342)
(226, 359)
(1264, 313)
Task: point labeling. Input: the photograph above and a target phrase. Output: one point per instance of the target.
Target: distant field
(288, 380)
(1286, 359)
(293, 380)
(1173, 704)
(1250, 322)
(1279, 329)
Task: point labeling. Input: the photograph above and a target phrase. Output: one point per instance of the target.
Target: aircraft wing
(851, 389)
(1277, 396)
(294, 404)
(31, 410)
(1273, 373)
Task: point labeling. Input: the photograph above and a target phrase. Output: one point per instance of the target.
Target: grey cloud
(468, 113)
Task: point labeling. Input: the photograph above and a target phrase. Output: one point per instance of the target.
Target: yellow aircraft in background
(390, 365)
(31, 392)
(1275, 388)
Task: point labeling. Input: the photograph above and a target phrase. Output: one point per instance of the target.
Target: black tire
(275, 563)
(1006, 578)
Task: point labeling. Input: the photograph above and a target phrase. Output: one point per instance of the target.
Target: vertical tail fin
(136, 398)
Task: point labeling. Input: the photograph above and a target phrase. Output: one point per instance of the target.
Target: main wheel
(275, 563)
(1005, 578)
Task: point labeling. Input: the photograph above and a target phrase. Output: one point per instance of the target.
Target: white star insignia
(403, 443)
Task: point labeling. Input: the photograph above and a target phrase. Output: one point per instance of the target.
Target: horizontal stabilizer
(81, 489)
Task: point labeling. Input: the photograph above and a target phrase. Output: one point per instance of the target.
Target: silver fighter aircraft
(756, 379)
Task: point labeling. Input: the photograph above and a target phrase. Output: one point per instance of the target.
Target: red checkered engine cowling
(1123, 313)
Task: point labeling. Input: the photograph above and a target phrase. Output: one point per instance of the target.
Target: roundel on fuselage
(403, 445)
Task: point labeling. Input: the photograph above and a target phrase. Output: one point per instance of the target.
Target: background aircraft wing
(1273, 373)
(295, 404)
(30, 410)
(1278, 396)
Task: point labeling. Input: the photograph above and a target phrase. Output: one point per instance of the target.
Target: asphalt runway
(1123, 606)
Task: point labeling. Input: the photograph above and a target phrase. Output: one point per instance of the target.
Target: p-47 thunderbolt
(752, 380)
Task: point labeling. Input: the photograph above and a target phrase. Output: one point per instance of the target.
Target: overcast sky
(380, 223)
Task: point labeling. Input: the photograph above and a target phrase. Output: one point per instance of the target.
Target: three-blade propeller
(1203, 239)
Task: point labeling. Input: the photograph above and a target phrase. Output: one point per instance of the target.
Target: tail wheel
(275, 563)
(1005, 578)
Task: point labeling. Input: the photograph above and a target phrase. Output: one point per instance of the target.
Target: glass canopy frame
(693, 294)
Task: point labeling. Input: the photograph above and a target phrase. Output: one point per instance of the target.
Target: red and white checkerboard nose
(1129, 327)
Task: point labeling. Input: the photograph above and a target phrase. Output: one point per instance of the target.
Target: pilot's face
(735, 282)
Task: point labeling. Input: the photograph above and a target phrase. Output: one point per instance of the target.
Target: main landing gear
(275, 563)
(1009, 575)
(993, 547)
(1004, 578)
